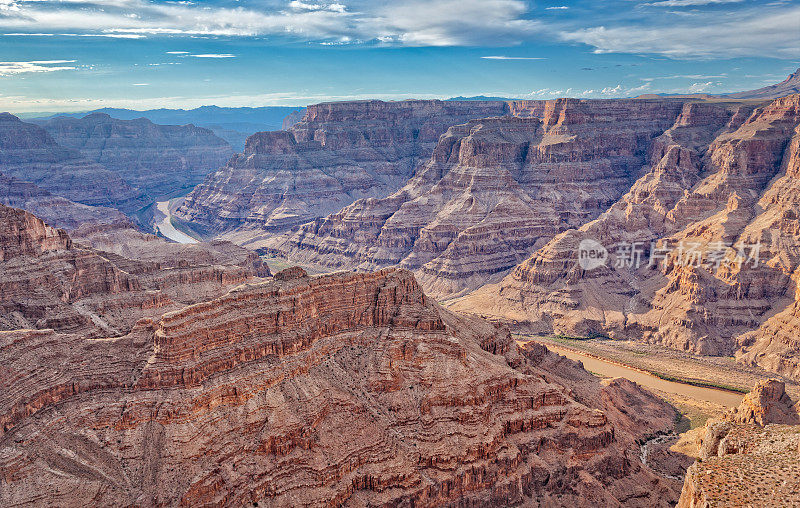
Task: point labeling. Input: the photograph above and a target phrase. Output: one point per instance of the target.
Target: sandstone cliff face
(49, 281)
(29, 153)
(161, 160)
(346, 389)
(494, 190)
(751, 457)
(720, 180)
(337, 153)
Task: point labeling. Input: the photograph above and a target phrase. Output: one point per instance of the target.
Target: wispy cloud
(500, 57)
(11, 68)
(689, 3)
(749, 32)
(214, 55)
(556, 8)
(410, 23)
(140, 84)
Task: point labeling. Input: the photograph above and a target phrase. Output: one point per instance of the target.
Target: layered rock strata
(494, 190)
(49, 281)
(337, 153)
(161, 160)
(702, 249)
(346, 389)
(54, 210)
(29, 153)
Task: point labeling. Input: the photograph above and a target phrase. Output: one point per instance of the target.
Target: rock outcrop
(29, 153)
(161, 160)
(54, 210)
(767, 403)
(341, 389)
(338, 153)
(47, 280)
(494, 191)
(702, 251)
(751, 457)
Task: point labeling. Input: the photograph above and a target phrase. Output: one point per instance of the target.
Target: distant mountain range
(233, 125)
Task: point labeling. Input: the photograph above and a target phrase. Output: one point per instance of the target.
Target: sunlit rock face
(723, 178)
(341, 389)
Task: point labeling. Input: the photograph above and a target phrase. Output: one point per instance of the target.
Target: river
(609, 369)
(166, 228)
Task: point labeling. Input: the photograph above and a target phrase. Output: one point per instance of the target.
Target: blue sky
(75, 55)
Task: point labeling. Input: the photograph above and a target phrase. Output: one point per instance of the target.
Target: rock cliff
(337, 153)
(345, 389)
(494, 190)
(54, 210)
(29, 153)
(161, 160)
(701, 250)
(47, 280)
(751, 457)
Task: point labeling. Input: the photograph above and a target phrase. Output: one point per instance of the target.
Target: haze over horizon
(78, 55)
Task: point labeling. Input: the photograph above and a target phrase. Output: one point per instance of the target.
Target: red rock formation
(767, 403)
(342, 389)
(29, 153)
(161, 160)
(338, 153)
(723, 175)
(493, 191)
(47, 281)
(752, 457)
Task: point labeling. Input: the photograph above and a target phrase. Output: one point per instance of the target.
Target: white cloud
(556, 8)
(763, 32)
(214, 55)
(690, 3)
(11, 68)
(413, 22)
(177, 52)
(700, 87)
(140, 84)
(512, 58)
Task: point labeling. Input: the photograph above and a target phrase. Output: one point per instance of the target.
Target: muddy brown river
(609, 369)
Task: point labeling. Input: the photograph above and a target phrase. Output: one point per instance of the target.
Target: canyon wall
(50, 281)
(713, 218)
(494, 190)
(337, 153)
(29, 153)
(342, 389)
(54, 210)
(160, 160)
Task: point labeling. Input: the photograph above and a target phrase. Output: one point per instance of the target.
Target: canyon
(293, 390)
(337, 153)
(494, 190)
(28, 153)
(720, 181)
(492, 221)
(462, 244)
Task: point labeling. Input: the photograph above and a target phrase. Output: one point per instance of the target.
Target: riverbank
(165, 226)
